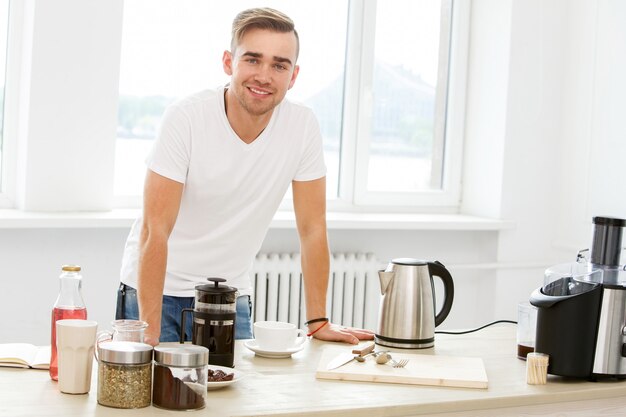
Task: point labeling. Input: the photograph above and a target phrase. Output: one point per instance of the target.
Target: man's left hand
(336, 333)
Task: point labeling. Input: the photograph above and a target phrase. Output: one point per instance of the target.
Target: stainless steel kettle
(407, 316)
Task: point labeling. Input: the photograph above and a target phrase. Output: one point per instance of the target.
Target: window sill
(399, 221)
(19, 219)
(123, 218)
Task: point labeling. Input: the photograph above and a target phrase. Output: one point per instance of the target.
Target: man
(221, 164)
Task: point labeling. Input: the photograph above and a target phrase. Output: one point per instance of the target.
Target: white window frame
(11, 100)
(353, 193)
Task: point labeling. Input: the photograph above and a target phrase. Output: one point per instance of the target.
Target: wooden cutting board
(445, 371)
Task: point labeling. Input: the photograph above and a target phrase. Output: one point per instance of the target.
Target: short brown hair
(262, 18)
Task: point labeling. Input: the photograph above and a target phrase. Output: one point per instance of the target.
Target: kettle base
(404, 343)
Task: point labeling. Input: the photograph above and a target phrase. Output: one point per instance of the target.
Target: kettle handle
(439, 270)
(182, 323)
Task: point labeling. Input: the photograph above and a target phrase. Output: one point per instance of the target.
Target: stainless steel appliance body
(610, 354)
(407, 316)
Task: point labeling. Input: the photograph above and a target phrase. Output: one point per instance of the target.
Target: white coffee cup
(75, 349)
(278, 336)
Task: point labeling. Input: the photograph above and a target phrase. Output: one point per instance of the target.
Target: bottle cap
(70, 268)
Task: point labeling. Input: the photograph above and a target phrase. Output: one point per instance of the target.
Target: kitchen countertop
(289, 387)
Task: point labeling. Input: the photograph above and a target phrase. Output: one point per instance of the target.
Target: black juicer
(581, 309)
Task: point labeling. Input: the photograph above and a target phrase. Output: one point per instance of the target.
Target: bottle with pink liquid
(69, 305)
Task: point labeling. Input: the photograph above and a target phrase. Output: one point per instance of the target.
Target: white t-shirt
(231, 189)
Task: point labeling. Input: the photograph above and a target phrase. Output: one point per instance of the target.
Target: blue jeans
(128, 308)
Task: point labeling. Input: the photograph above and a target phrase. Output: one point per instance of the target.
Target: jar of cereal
(124, 374)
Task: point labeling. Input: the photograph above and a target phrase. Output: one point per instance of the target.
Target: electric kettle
(407, 316)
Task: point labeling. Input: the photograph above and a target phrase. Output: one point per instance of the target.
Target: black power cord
(480, 328)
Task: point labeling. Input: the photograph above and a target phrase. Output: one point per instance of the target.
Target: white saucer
(252, 345)
(211, 385)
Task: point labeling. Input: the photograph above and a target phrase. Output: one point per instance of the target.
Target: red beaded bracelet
(318, 329)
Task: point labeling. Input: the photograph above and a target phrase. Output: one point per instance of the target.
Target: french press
(214, 320)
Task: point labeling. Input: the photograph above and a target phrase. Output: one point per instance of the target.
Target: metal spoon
(383, 358)
(386, 358)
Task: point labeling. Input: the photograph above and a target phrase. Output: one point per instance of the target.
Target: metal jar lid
(70, 268)
(124, 353)
(184, 356)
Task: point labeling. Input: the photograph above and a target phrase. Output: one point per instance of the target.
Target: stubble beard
(251, 107)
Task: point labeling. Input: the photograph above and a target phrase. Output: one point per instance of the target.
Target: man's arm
(160, 208)
(309, 200)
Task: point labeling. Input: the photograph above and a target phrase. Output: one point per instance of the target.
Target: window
(375, 73)
(4, 29)
(403, 155)
(404, 144)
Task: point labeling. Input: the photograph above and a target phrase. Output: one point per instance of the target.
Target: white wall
(526, 39)
(593, 132)
(31, 262)
(555, 145)
(544, 139)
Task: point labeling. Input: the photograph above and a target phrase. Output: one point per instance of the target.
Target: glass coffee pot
(214, 320)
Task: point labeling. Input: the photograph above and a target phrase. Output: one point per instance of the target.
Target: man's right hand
(151, 339)
(161, 203)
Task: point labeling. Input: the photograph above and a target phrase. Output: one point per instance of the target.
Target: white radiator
(353, 289)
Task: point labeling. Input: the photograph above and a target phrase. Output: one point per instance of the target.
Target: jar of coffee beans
(180, 377)
(124, 374)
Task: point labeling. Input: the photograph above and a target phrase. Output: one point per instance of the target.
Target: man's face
(262, 69)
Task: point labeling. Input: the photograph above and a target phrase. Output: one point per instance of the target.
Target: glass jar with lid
(180, 377)
(124, 374)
